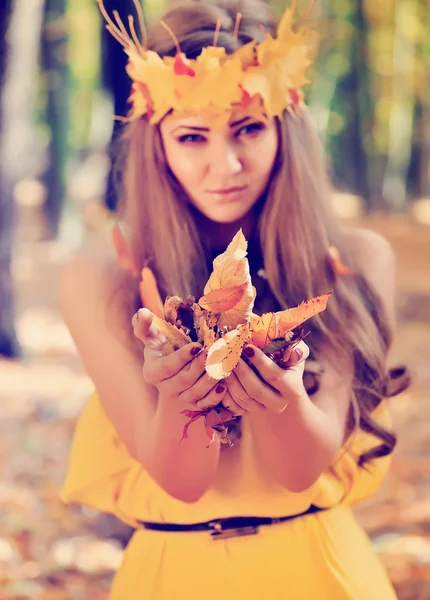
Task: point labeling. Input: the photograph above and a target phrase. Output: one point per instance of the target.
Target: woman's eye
(191, 138)
(250, 129)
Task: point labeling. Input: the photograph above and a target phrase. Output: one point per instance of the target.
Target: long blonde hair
(296, 226)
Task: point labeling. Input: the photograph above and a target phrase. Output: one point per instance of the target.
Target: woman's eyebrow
(206, 129)
(240, 121)
(190, 127)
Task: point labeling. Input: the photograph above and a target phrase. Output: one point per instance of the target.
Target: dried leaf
(338, 266)
(149, 293)
(206, 333)
(171, 305)
(214, 418)
(175, 338)
(224, 299)
(231, 269)
(224, 354)
(124, 254)
(271, 326)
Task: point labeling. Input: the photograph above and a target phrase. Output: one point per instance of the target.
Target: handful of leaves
(223, 322)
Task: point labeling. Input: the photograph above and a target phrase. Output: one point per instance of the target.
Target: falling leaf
(224, 354)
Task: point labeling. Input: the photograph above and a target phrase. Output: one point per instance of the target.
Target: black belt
(228, 527)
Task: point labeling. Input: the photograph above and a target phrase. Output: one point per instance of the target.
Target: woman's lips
(228, 194)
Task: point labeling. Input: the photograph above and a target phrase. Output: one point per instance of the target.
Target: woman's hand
(180, 377)
(273, 388)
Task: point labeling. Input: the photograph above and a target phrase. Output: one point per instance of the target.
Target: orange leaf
(123, 252)
(263, 329)
(271, 326)
(221, 300)
(224, 354)
(231, 269)
(339, 267)
(149, 293)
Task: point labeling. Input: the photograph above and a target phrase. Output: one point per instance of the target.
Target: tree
(8, 342)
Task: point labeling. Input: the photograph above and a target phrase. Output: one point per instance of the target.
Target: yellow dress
(322, 556)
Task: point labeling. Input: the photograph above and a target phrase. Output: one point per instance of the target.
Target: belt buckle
(219, 533)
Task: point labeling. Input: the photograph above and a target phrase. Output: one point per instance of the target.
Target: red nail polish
(219, 388)
(194, 351)
(248, 351)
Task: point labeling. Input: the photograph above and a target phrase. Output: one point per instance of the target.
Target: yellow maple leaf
(231, 269)
(224, 354)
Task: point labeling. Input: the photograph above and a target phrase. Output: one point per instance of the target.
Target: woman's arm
(93, 300)
(297, 438)
(298, 444)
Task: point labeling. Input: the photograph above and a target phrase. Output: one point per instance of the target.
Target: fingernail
(194, 351)
(220, 388)
(248, 351)
(299, 353)
(137, 316)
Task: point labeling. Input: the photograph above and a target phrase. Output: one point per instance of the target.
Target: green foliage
(370, 95)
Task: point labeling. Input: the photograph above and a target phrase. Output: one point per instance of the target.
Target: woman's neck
(219, 235)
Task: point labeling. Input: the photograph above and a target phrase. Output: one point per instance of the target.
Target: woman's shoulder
(368, 247)
(374, 258)
(372, 253)
(88, 283)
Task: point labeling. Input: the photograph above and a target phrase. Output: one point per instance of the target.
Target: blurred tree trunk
(19, 70)
(54, 62)
(8, 343)
(116, 80)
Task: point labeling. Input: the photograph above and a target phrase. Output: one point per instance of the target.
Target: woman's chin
(227, 216)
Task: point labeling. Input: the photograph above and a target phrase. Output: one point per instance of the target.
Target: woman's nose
(225, 160)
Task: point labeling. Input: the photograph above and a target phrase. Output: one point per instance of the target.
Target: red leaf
(246, 99)
(193, 415)
(295, 97)
(212, 417)
(181, 67)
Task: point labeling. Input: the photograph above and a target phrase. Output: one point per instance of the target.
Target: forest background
(62, 79)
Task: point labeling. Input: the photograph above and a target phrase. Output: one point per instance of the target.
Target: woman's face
(223, 171)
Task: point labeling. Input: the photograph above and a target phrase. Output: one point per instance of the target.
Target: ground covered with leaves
(50, 552)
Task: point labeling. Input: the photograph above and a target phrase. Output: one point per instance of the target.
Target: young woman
(269, 516)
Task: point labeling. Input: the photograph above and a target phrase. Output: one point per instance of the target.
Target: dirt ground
(49, 552)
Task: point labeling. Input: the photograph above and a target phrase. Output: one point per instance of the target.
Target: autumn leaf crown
(264, 78)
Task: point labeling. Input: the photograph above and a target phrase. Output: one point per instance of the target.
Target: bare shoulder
(370, 248)
(90, 283)
(375, 259)
(373, 255)
(100, 273)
